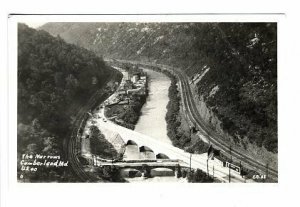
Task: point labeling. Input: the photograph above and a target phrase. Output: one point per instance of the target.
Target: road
(195, 161)
(97, 161)
(214, 138)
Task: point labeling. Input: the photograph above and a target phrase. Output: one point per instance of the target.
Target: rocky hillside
(233, 66)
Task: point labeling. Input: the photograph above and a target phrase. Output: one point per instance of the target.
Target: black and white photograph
(147, 102)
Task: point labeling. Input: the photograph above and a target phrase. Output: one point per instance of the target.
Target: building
(121, 92)
(138, 91)
(134, 78)
(126, 76)
(133, 91)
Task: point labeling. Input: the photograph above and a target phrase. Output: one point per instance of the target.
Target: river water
(152, 120)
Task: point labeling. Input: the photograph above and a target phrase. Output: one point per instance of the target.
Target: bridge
(205, 132)
(142, 147)
(154, 168)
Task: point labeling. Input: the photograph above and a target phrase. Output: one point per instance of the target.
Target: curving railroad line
(192, 112)
(73, 144)
(214, 138)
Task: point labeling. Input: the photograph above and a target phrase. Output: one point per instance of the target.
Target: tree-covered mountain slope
(54, 80)
(232, 66)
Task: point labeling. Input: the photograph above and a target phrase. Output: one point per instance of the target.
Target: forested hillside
(233, 66)
(54, 80)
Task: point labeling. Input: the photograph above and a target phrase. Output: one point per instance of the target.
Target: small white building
(134, 78)
(126, 76)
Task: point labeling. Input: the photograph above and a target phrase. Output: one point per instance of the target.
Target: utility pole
(207, 166)
(80, 144)
(267, 171)
(230, 149)
(230, 154)
(229, 171)
(241, 168)
(213, 171)
(190, 162)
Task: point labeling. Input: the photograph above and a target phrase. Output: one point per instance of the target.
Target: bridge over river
(143, 147)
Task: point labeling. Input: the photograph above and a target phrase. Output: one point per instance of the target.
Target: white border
(87, 194)
(152, 18)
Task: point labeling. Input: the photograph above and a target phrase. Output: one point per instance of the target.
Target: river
(152, 120)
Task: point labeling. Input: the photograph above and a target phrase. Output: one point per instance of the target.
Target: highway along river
(152, 120)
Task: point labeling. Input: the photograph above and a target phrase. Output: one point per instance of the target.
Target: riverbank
(124, 108)
(178, 127)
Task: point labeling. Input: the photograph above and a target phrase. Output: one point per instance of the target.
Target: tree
(51, 89)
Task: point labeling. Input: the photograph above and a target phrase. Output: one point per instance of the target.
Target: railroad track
(214, 138)
(73, 144)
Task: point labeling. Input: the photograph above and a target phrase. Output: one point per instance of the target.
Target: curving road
(214, 167)
(214, 138)
(197, 161)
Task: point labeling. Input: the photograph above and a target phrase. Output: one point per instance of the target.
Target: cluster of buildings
(135, 83)
(132, 84)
